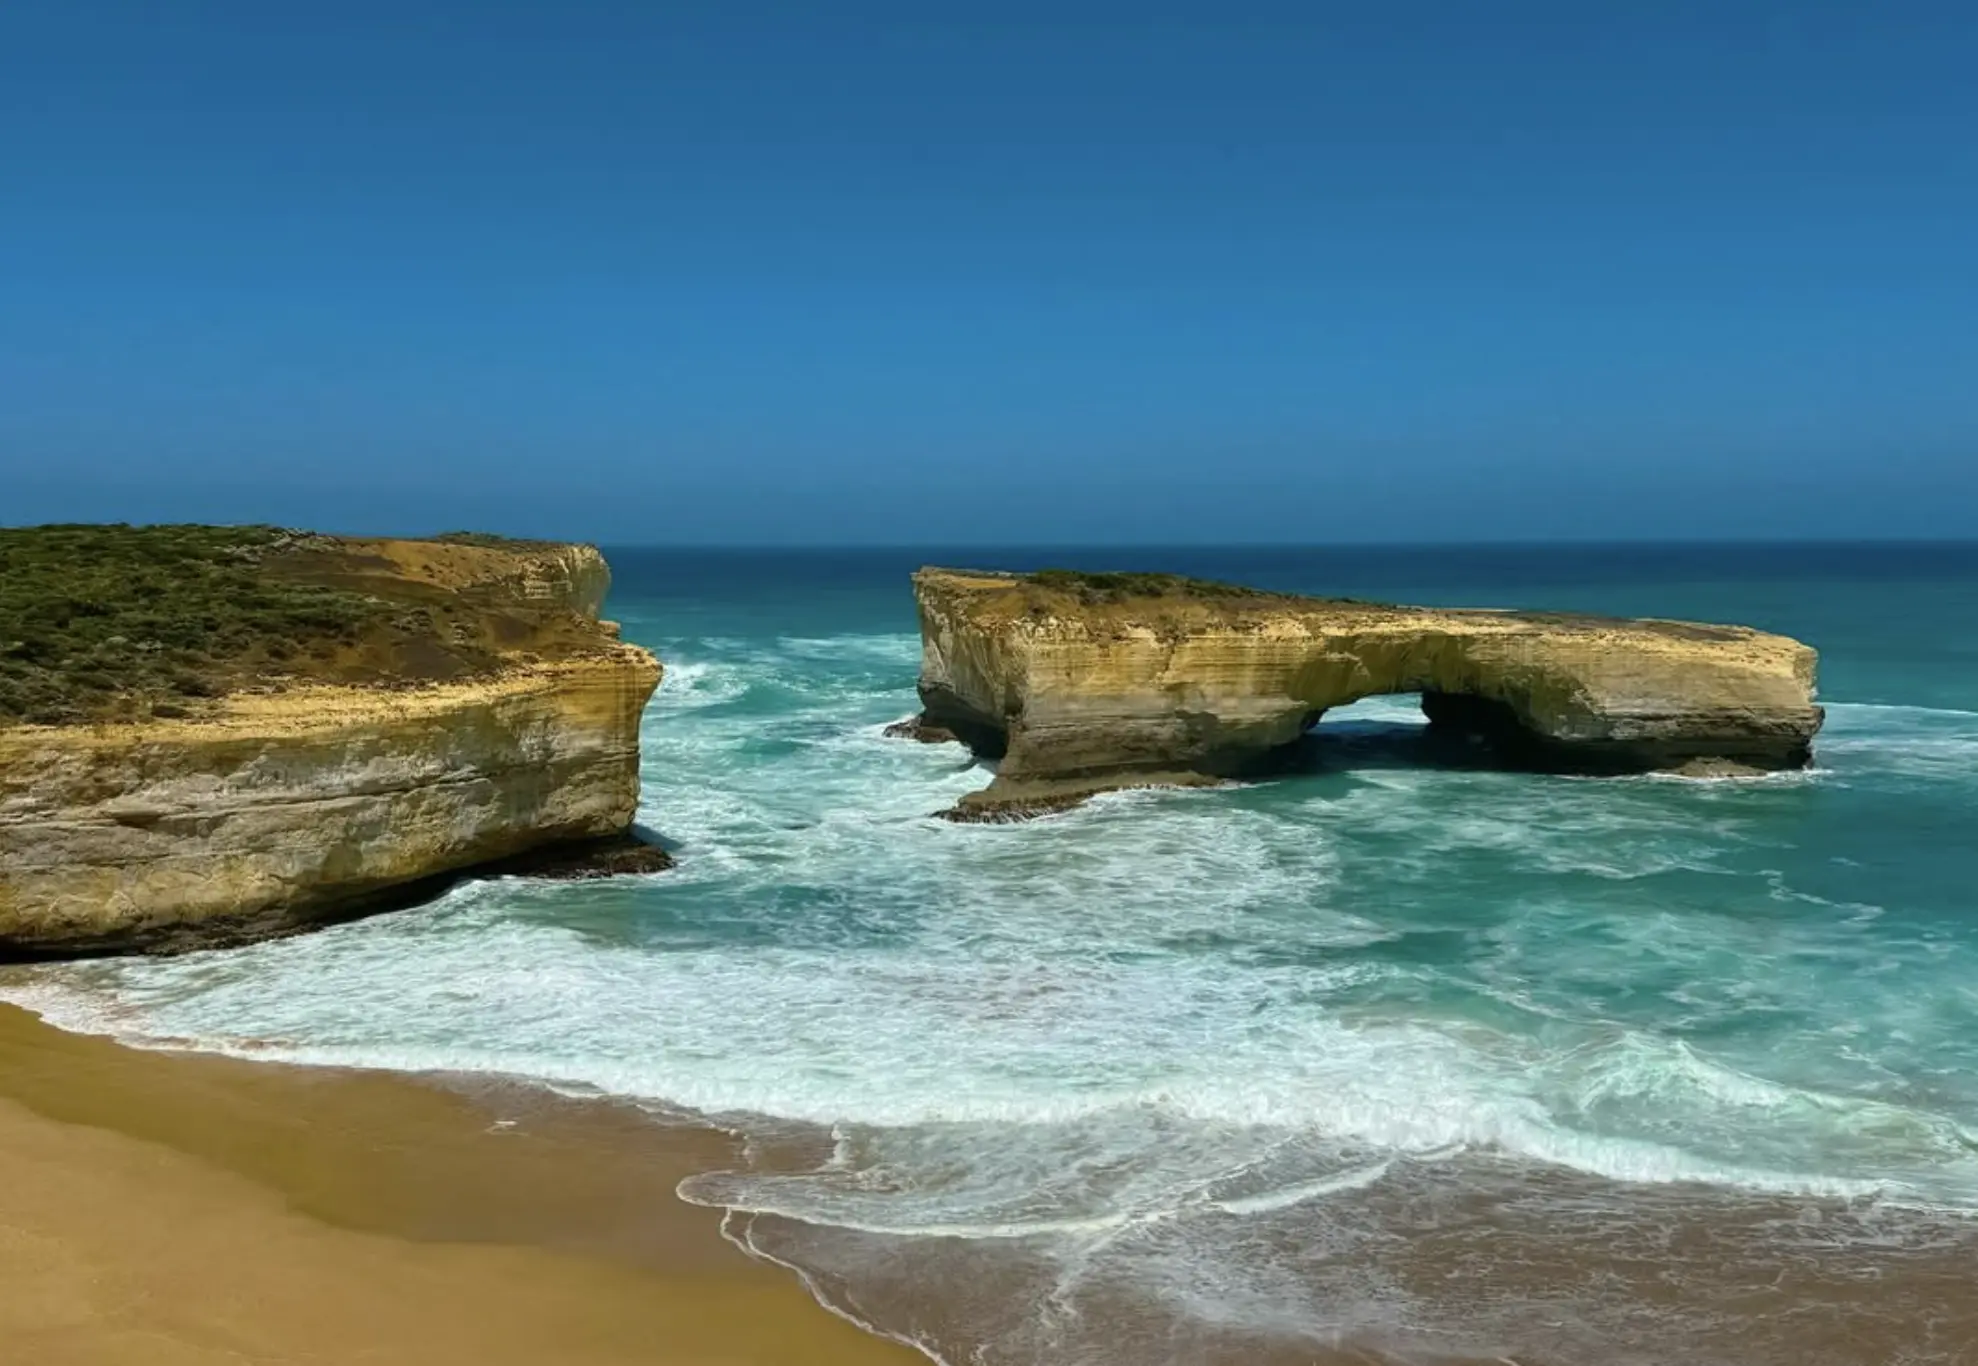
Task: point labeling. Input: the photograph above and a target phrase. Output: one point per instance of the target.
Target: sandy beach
(170, 1210)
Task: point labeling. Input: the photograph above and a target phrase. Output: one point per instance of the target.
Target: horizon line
(1721, 542)
(760, 547)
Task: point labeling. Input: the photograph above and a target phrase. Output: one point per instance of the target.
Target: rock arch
(1080, 683)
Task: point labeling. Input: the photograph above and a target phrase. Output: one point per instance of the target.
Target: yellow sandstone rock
(320, 801)
(1080, 683)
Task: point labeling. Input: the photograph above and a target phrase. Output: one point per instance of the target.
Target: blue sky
(774, 273)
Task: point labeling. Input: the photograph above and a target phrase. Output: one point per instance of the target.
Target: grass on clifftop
(98, 621)
(117, 622)
(491, 541)
(1092, 589)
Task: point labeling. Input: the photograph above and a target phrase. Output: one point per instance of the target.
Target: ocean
(1383, 1060)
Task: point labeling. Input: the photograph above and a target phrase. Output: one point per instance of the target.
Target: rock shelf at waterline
(1077, 683)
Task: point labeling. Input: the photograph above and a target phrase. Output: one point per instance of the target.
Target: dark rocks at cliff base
(583, 860)
(921, 729)
(1718, 768)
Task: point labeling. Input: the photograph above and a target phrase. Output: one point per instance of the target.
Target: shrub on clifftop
(1093, 588)
(104, 621)
(117, 622)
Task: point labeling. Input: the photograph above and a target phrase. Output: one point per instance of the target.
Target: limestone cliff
(481, 713)
(1079, 683)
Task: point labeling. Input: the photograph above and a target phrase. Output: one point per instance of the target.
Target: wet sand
(174, 1210)
(164, 1209)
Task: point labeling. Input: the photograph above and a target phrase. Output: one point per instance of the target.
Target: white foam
(1300, 1192)
(898, 650)
(1402, 709)
(1848, 710)
(1027, 1046)
(687, 684)
(1120, 1009)
(738, 1230)
(1919, 742)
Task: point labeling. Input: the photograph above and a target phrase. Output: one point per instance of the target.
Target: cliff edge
(209, 734)
(1077, 683)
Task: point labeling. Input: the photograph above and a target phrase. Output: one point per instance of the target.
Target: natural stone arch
(1080, 683)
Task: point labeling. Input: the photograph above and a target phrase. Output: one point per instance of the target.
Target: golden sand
(169, 1210)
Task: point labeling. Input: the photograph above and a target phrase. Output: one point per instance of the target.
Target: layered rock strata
(1074, 684)
(307, 801)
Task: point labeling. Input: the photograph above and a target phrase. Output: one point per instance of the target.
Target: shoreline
(175, 1208)
(185, 1209)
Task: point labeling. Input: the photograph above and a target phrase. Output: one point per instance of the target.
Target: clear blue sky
(747, 272)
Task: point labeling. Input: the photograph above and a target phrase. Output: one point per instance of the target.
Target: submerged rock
(921, 729)
(1717, 768)
(466, 707)
(1080, 683)
(625, 855)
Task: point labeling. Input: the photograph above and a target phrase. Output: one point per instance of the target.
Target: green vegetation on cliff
(117, 622)
(97, 621)
(1093, 588)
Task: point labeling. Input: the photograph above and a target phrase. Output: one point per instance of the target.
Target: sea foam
(1164, 1009)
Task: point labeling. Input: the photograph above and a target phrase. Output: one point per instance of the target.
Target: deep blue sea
(1381, 1057)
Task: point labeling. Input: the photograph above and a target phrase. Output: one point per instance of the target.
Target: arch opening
(1428, 729)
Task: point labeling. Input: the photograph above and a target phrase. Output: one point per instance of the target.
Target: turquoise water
(1208, 1075)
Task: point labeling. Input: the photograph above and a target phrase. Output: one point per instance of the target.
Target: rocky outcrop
(921, 729)
(1075, 684)
(530, 577)
(307, 801)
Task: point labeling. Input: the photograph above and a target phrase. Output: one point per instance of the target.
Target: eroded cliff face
(526, 576)
(1079, 692)
(307, 801)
